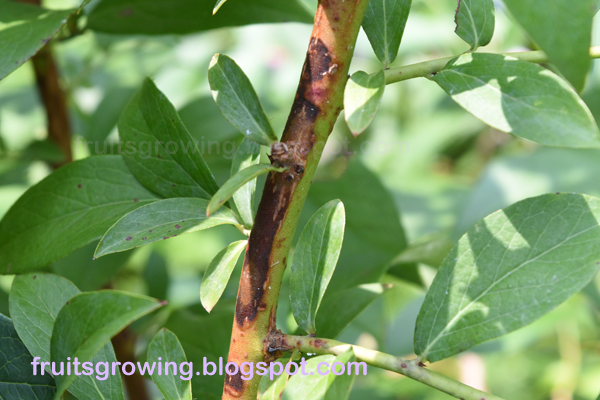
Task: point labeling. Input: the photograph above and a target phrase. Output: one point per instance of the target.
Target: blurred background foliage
(413, 183)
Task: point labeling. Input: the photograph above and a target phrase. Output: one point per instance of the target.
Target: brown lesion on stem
(316, 107)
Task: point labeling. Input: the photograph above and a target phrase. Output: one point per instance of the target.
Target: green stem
(410, 368)
(425, 69)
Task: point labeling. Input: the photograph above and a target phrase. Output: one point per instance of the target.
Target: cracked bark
(316, 107)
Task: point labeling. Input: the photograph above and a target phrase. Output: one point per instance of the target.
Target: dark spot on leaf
(128, 238)
(166, 237)
(144, 238)
(79, 186)
(67, 302)
(421, 364)
(174, 185)
(135, 200)
(127, 12)
(35, 276)
(403, 365)
(177, 226)
(150, 231)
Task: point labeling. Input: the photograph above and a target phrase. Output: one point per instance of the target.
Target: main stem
(318, 102)
(410, 368)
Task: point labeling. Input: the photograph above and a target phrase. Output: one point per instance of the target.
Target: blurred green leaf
(166, 346)
(187, 16)
(339, 385)
(161, 220)
(373, 235)
(24, 29)
(159, 150)
(314, 261)
(35, 301)
(362, 98)
(311, 385)
(563, 29)
(384, 24)
(218, 273)
(88, 321)
(16, 373)
(521, 98)
(70, 208)
(86, 273)
(235, 96)
(340, 309)
(105, 117)
(510, 269)
(204, 335)
(475, 22)
(236, 182)
(430, 250)
(248, 154)
(156, 276)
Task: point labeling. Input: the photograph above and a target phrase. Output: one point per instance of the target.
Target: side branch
(410, 368)
(426, 68)
(318, 102)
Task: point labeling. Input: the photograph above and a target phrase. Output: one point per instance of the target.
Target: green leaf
(596, 7)
(248, 154)
(313, 385)
(362, 98)
(161, 220)
(521, 98)
(563, 29)
(339, 386)
(70, 208)
(314, 261)
(236, 182)
(24, 29)
(159, 150)
(87, 322)
(187, 16)
(35, 301)
(341, 308)
(511, 268)
(218, 5)
(166, 345)
(16, 372)
(218, 273)
(384, 24)
(272, 389)
(238, 101)
(475, 22)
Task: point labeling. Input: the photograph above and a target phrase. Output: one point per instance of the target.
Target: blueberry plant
(508, 270)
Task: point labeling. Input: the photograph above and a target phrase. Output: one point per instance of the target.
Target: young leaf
(362, 98)
(35, 301)
(272, 389)
(511, 268)
(475, 22)
(563, 29)
(236, 182)
(339, 385)
(87, 322)
(186, 16)
(218, 273)
(340, 308)
(248, 154)
(16, 372)
(314, 261)
(218, 5)
(70, 208)
(159, 150)
(384, 24)
(521, 98)
(24, 29)
(166, 346)
(161, 220)
(238, 101)
(313, 385)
